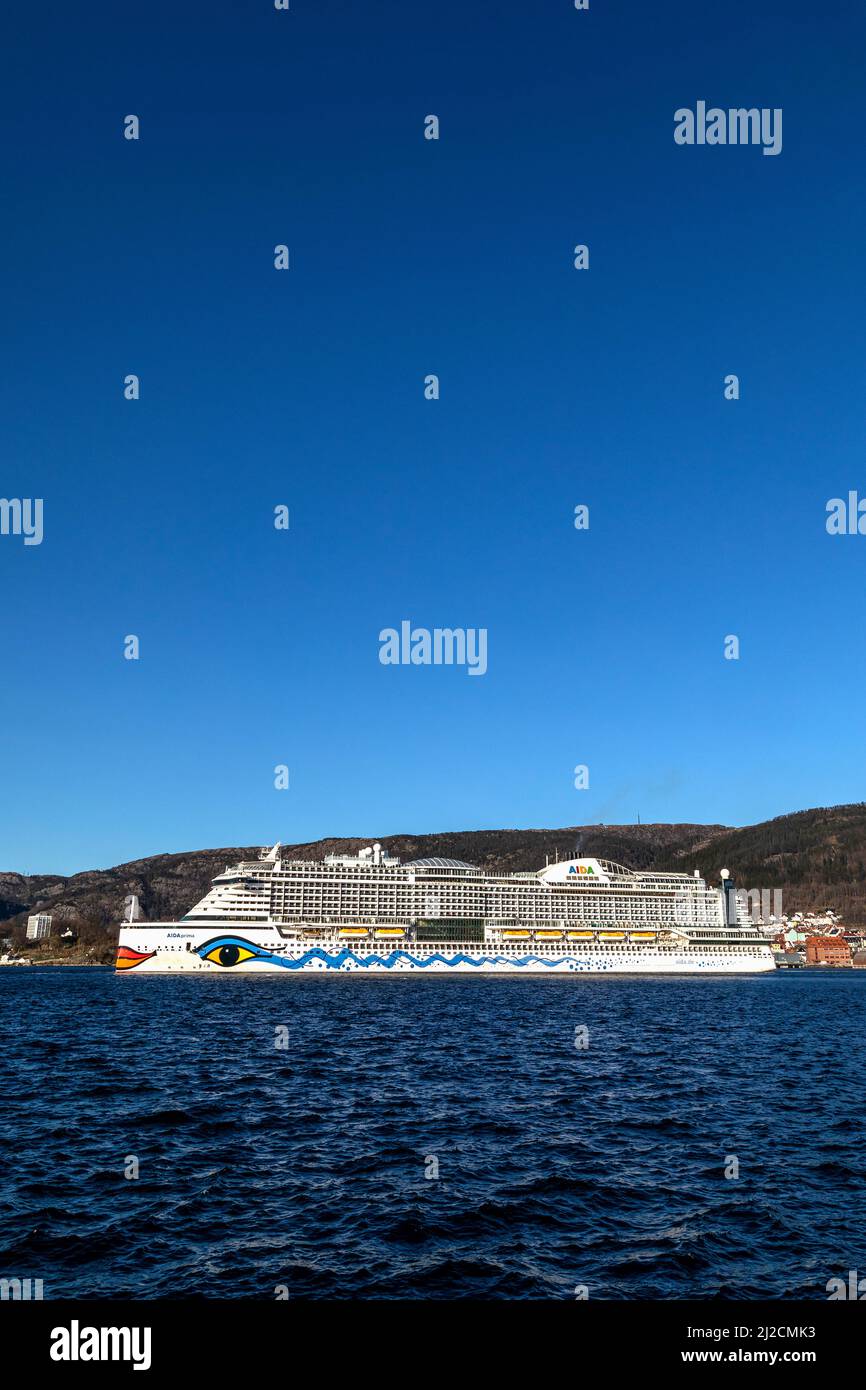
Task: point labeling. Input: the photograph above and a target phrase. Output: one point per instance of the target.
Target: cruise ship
(368, 914)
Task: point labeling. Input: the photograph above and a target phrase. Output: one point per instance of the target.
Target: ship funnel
(729, 897)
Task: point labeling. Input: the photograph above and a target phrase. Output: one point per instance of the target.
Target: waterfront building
(39, 926)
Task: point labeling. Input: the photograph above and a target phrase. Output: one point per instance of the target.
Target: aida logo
(581, 869)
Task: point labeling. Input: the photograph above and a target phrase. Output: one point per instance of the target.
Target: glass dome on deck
(452, 865)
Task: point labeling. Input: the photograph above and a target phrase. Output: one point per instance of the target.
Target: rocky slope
(817, 857)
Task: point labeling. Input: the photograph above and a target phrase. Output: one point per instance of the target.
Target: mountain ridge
(817, 857)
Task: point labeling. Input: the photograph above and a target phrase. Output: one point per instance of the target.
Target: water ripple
(431, 1138)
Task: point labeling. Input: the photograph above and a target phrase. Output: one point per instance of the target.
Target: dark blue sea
(424, 1138)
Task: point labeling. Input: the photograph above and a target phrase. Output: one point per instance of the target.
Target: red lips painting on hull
(127, 958)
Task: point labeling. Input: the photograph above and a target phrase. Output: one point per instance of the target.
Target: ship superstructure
(369, 913)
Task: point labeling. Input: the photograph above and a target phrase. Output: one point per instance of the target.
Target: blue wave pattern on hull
(335, 962)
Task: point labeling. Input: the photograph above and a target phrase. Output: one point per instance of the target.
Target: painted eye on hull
(228, 951)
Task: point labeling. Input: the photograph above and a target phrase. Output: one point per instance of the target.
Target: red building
(828, 950)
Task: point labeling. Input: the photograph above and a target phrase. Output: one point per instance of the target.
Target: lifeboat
(611, 936)
(580, 935)
(548, 935)
(388, 933)
(643, 935)
(352, 934)
(515, 935)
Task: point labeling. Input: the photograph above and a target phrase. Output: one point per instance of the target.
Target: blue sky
(260, 647)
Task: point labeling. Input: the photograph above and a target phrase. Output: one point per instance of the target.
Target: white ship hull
(368, 914)
(240, 949)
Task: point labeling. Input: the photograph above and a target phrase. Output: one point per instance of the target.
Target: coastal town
(47, 944)
(814, 939)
